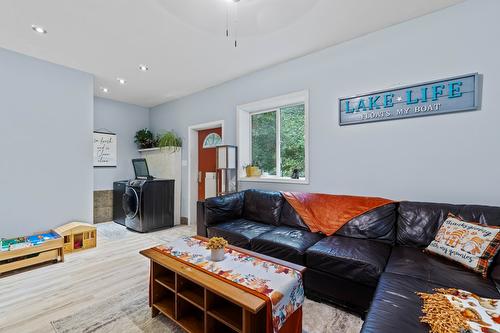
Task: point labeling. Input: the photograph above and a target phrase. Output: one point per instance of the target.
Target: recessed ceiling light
(143, 68)
(104, 90)
(38, 29)
(122, 81)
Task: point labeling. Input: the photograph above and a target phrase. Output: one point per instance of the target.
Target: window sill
(283, 180)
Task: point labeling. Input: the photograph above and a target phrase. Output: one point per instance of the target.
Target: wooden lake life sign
(104, 149)
(456, 94)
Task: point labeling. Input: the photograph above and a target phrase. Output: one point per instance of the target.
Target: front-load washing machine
(149, 204)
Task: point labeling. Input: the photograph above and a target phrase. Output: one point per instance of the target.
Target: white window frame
(244, 134)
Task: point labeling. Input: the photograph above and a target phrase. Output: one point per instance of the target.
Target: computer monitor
(141, 168)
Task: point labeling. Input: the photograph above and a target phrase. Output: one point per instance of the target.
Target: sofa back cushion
(378, 224)
(290, 218)
(224, 208)
(419, 222)
(263, 206)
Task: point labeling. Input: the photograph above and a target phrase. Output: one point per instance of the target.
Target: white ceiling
(183, 41)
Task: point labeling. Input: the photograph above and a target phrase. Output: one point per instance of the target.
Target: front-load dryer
(149, 204)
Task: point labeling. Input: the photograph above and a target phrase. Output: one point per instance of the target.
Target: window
(278, 141)
(264, 141)
(272, 134)
(212, 140)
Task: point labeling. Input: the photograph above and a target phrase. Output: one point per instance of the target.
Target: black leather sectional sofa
(373, 265)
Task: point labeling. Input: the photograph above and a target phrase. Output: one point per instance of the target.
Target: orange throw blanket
(327, 213)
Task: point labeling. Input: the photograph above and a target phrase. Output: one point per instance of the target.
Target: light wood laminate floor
(29, 300)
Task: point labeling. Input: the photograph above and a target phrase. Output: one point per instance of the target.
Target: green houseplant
(144, 139)
(170, 139)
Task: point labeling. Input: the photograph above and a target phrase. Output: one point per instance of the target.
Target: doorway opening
(202, 163)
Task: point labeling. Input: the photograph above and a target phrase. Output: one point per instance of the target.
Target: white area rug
(129, 312)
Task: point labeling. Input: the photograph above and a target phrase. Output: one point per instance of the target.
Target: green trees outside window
(292, 140)
(278, 140)
(264, 141)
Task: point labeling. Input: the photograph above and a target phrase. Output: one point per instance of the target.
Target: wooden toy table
(45, 251)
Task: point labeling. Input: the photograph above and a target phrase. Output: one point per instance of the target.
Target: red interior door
(206, 159)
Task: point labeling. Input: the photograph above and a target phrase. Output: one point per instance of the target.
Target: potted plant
(145, 139)
(216, 246)
(171, 140)
(252, 170)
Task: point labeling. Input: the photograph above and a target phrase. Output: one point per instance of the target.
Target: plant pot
(253, 171)
(217, 254)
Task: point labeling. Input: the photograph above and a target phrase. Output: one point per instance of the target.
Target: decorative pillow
(471, 244)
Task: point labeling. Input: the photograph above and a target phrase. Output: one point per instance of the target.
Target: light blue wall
(124, 120)
(46, 145)
(451, 158)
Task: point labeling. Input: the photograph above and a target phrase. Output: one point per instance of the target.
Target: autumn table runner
(281, 285)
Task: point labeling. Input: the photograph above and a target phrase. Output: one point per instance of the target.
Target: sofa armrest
(201, 228)
(224, 208)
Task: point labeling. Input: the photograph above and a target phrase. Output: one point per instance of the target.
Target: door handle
(200, 175)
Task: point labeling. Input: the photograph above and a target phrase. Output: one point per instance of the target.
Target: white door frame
(193, 164)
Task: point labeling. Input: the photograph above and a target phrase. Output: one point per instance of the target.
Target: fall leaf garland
(441, 315)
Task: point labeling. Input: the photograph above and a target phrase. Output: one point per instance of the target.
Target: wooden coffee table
(199, 302)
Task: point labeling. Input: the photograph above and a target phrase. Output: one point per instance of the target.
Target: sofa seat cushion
(239, 232)
(285, 243)
(396, 297)
(414, 262)
(360, 260)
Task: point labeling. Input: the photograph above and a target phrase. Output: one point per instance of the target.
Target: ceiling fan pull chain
(236, 24)
(232, 20)
(227, 20)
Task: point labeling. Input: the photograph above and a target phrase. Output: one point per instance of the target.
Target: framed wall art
(104, 149)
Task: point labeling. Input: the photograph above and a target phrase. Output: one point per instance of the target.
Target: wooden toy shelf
(50, 250)
(198, 309)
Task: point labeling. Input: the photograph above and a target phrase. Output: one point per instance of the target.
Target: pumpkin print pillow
(471, 244)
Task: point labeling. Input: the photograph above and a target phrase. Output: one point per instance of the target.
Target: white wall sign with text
(104, 149)
(455, 94)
